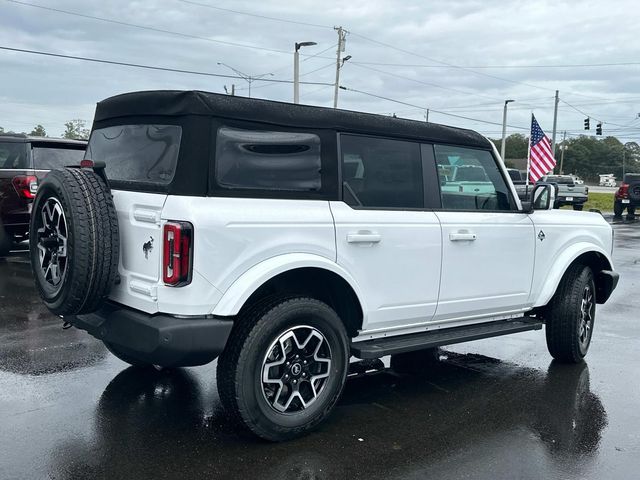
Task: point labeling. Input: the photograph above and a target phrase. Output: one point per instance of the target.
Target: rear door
(385, 237)
(141, 161)
(487, 246)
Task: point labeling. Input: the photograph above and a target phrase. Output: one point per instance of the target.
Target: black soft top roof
(178, 103)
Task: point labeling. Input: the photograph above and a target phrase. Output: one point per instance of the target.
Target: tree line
(75, 129)
(585, 156)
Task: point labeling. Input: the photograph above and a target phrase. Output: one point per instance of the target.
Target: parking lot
(496, 408)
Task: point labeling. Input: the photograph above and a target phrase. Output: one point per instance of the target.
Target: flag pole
(529, 159)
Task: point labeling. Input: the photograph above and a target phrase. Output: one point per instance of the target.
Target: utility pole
(564, 147)
(555, 123)
(426, 116)
(342, 34)
(504, 128)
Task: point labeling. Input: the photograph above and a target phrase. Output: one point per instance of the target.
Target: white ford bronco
(285, 239)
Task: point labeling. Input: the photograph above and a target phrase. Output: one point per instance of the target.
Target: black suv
(24, 161)
(628, 196)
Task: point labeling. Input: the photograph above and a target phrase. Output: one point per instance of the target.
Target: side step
(380, 347)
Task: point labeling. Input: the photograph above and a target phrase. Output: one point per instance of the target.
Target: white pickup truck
(284, 239)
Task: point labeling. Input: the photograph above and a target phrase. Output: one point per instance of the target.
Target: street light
(504, 128)
(296, 69)
(248, 78)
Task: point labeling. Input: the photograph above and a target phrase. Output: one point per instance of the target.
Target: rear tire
(74, 244)
(416, 362)
(617, 209)
(570, 315)
(284, 367)
(578, 208)
(5, 242)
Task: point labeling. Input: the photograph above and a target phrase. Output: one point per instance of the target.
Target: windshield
(137, 153)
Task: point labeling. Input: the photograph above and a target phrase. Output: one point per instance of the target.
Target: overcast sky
(443, 51)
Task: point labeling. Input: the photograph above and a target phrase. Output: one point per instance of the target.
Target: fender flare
(560, 265)
(244, 286)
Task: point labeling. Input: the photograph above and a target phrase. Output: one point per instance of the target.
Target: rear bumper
(157, 339)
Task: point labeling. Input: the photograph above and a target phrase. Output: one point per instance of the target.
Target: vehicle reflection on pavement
(443, 422)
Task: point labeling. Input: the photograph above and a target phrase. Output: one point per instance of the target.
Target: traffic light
(599, 128)
(586, 124)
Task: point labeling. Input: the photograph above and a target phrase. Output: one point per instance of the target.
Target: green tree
(1, 130)
(38, 131)
(516, 146)
(76, 129)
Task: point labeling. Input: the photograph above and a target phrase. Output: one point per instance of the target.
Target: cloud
(466, 33)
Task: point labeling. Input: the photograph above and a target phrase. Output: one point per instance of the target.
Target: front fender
(560, 266)
(237, 294)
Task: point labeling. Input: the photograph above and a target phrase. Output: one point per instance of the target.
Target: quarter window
(470, 180)
(381, 173)
(268, 160)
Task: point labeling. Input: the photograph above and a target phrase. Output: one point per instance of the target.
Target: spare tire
(74, 245)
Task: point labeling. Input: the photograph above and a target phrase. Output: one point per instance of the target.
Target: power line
(264, 17)
(464, 92)
(152, 29)
(151, 67)
(479, 67)
(400, 102)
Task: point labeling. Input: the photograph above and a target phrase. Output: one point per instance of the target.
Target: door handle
(364, 237)
(462, 237)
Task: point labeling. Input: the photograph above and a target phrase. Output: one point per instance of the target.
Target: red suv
(628, 196)
(23, 162)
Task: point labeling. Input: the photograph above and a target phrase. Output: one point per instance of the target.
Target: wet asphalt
(491, 409)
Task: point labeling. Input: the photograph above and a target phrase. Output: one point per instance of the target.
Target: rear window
(137, 153)
(268, 160)
(14, 155)
(45, 158)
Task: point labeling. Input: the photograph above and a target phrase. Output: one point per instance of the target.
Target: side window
(470, 180)
(14, 155)
(267, 160)
(381, 173)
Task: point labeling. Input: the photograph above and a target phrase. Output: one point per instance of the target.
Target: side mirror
(543, 196)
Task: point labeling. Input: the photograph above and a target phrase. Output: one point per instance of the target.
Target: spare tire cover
(74, 245)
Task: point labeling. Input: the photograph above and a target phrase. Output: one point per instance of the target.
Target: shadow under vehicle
(169, 421)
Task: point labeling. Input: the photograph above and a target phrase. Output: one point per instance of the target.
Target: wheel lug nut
(295, 381)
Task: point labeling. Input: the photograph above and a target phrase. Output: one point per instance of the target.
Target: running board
(380, 347)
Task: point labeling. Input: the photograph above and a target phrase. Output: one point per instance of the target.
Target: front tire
(284, 367)
(570, 315)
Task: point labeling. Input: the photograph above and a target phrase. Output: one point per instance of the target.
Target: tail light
(26, 186)
(177, 264)
(623, 191)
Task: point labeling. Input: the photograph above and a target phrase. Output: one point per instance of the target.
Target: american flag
(541, 159)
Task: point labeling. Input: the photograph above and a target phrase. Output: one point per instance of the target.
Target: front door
(384, 237)
(487, 246)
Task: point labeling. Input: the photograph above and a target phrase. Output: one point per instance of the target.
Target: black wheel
(73, 241)
(284, 367)
(124, 356)
(416, 362)
(578, 208)
(617, 209)
(571, 314)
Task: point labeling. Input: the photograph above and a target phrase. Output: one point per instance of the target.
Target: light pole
(248, 78)
(504, 128)
(296, 69)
